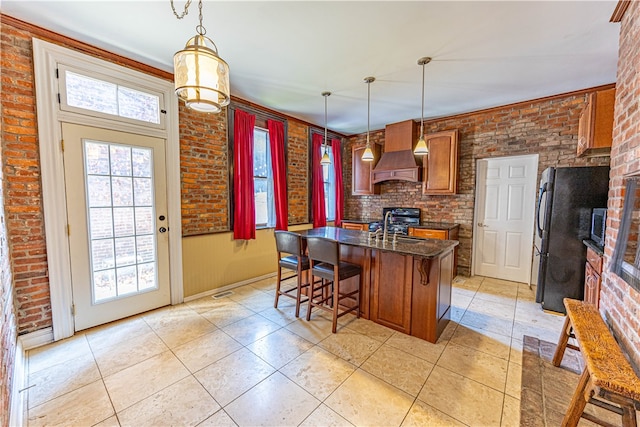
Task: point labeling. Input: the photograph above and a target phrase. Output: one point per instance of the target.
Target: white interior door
(117, 215)
(505, 208)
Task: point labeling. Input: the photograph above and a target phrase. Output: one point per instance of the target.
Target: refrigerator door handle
(543, 191)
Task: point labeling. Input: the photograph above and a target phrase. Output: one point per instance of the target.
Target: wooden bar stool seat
(608, 380)
(325, 263)
(292, 244)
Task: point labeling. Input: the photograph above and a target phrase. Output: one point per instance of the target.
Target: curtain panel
(317, 184)
(279, 168)
(244, 214)
(337, 161)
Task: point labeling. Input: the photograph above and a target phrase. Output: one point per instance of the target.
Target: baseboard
(37, 338)
(228, 287)
(16, 410)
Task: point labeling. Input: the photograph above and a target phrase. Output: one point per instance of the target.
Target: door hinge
(59, 99)
(73, 309)
(62, 144)
(57, 73)
(68, 230)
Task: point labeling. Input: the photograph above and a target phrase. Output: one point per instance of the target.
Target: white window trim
(46, 57)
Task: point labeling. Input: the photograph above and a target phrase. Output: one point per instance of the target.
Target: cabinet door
(441, 165)
(428, 234)
(391, 302)
(355, 226)
(361, 183)
(595, 127)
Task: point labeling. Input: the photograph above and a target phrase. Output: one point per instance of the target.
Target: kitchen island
(405, 285)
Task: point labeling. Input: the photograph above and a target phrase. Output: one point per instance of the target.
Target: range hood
(398, 161)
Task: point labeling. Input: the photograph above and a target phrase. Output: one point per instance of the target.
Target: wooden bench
(607, 374)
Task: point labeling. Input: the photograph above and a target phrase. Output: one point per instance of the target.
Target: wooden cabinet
(391, 302)
(361, 183)
(595, 127)
(355, 226)
(440, 167)
(447, 234)
(592, 278)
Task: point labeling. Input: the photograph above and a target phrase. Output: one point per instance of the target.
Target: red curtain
(317, 184)
(337, 161)
(244, 213)
(279, 167)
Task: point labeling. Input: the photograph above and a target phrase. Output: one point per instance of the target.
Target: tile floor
(238, 361)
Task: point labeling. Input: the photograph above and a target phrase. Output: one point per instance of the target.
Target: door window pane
(121, 219)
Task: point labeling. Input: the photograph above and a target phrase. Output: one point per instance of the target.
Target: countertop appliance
(566, 198)
(598, 226)
(400, 219)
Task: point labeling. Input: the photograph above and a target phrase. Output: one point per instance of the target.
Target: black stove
(399, 221)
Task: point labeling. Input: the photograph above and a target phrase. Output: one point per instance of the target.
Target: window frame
(261, 122)
(628, 272)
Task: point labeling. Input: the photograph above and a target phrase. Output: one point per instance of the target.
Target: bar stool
(291, 243)
(325, 263)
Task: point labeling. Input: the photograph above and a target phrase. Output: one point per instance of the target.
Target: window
(263, 179)
(104, 98)
(626, 256)
(329, 178)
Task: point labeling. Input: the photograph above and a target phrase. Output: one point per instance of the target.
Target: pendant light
(201, 76)
(421, 147)
(325, 157)
(367, 156)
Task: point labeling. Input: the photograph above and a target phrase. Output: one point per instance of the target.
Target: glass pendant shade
(201, 76)
(325, 158)
(367, 156)
(421, 147)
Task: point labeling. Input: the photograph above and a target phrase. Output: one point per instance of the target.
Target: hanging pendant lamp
(367, 156)
(325, 157)
(201, 76)
(421, 147)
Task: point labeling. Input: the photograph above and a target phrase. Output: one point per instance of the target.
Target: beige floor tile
(350, 346)
(400, 369)
(168, 315)
(514, 380)
(526, 294)
(325, 417)
(242, 292)
(483, 340)
(417, 347)
(516, 351)
(469, 283)
(188, 325)
(114, 358)
(58, 352)
(495, 309)
(268, 285)
(318, 372)
(462, 398)
(140, 381)
(422, 415)
(60, 379)
(366, 400)
(114, 333)
(72, 409)
(219, 419)
(549, 334)
(487, 322)
(259, 302)
(510, 412)
(205, 350)
(226, 313)
(476, 365)
(204, 304)
(185, 403)
(368, 328)
(233, 375)
(251, 329)
(285, 313)
(459, 305)
(276, 401)
(109, 422)
(315, 330)
(280, 347)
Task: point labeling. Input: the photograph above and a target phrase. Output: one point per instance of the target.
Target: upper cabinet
(361, 184)
(595, 127)
(441, 165)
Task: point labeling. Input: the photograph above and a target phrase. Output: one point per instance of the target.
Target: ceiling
(284, 54)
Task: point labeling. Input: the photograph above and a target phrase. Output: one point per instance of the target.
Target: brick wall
(619, 300)
(21, 168)
(548, 127)
(297, 172)
(8, 327)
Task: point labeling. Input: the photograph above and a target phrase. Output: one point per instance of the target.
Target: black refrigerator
(566, 198)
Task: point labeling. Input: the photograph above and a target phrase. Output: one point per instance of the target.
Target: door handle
(482, 225)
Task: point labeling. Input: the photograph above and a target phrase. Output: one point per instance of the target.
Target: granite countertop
(361, 221)
(594, 247)
(425, 248)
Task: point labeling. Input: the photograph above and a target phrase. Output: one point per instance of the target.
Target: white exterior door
(117, 216)
(505, 208)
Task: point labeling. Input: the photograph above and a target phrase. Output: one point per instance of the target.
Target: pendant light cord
(422, 110)
(368, 108)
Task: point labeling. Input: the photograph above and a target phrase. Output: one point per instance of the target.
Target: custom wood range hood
(398, 161)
